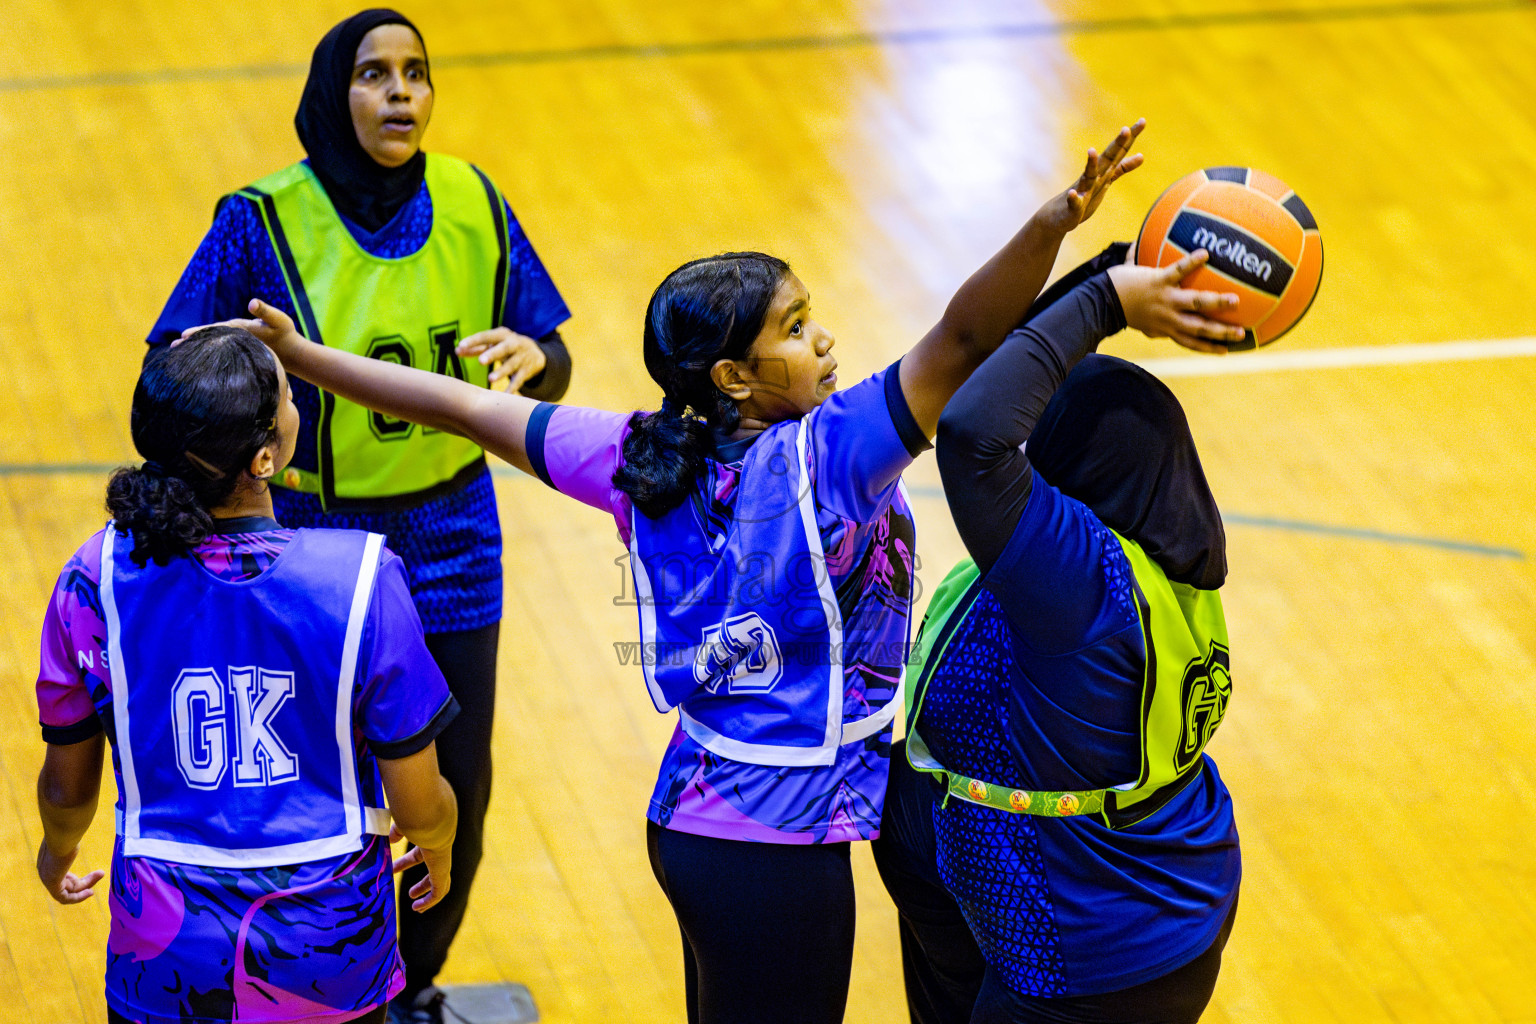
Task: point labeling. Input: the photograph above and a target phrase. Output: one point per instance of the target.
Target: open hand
(512, 357)
(271, 325)
(1101, 170)
(63, 885)
(1158, 307)
(430, 890)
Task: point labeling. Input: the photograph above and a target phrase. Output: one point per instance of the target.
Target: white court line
(1340, 358)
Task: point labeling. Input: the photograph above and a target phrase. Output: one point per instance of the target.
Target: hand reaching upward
(1100, 170)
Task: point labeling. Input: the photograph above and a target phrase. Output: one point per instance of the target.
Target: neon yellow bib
(1185, 689)
(413, 310)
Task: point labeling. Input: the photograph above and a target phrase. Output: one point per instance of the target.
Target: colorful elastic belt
(1045, 804)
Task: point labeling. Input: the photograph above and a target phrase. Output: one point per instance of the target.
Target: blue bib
(233, 703)
(739, 622)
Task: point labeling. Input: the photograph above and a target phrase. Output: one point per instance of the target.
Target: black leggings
(948, 981)
(468, 662)
(767, 927)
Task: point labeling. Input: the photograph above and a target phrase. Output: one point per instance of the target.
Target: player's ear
(729, 378)
(264, 463)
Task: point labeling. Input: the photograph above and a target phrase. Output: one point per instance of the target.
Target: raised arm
(496, 421)
(987, 478)
(995, 298)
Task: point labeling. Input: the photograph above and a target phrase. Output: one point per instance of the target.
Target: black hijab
(362, 189)
(1115, 438)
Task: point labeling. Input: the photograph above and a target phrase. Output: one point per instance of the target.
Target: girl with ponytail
(201, 414)
(705, 311)
(264, 689)
(772, 551)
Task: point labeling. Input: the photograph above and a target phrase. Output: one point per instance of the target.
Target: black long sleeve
(550, 383)
(986, 476)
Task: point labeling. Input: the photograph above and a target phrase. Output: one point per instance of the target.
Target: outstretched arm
(496, 421)
(987, 478)
(995, 298)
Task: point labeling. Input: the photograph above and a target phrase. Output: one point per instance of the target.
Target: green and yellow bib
(1185, 689)
(413, 310)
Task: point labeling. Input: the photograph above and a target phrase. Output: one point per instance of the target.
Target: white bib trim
(360, 821)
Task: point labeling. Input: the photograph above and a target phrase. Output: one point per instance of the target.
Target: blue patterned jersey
(451, 546)
(1039, 689)
(457, 583)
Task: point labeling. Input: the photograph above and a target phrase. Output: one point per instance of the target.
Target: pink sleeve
(576, 451)
(73, 653)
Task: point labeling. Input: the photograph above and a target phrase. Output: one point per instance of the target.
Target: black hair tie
(151, 466)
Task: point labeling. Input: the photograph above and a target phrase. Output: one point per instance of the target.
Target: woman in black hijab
(366, 185)
(1057, 844)
(366, 243)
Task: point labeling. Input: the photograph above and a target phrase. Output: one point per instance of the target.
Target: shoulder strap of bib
(945, 612)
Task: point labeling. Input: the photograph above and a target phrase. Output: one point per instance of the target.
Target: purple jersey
(858, 442)
(311, 942)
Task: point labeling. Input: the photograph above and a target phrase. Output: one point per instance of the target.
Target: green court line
(830, 41)
(101, 469)
(59, 468)
(1378, 535)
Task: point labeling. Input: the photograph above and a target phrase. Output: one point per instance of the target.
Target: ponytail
(201, 412)
(704, 311)
(664, 453)
(161, 511)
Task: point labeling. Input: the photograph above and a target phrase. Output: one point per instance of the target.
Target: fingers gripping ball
(1263, 242)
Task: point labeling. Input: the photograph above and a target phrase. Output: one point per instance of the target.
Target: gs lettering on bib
(233, 703)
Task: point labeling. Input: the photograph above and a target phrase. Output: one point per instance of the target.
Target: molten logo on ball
(1233, 251)
(1263, 243)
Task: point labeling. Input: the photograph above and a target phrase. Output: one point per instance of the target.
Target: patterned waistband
(1054, 803)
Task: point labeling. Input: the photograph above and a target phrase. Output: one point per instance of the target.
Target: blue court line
(844, 40)
(935, 493)
(1327, 530)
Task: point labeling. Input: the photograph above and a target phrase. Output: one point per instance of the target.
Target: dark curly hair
(704, 311)
(201, 412)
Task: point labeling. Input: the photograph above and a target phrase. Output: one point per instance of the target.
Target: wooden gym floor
(1381, 748)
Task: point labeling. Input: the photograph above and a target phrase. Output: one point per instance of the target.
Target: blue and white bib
(233, 703)
(740, 624)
